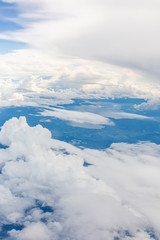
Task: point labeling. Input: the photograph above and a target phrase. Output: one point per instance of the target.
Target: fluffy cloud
(30, 77)
(47, 193)
(151, 104)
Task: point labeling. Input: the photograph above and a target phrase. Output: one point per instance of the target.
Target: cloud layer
(29, 77)
(48, 193)
(81, 49)
(122, 33)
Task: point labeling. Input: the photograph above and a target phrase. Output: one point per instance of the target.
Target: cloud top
(48, 192)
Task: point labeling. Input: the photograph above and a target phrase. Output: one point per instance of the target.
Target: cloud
(48, 193)
(34, 231)
(87, 50)
(119, 33)
(111, 111)
(77, 116)
(90, 119)
(30, 77)
(151, 104)
(122, 115)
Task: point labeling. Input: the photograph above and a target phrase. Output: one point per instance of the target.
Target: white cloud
(125, 115)
(123, 33)
(90, 119)
(28, 75)
(151, 104)
(77, 116)
(111, 111)
(33, 231)
(70, 45)
(119, 192)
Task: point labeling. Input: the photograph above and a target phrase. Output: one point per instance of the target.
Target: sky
(89, 69)
(111, 46)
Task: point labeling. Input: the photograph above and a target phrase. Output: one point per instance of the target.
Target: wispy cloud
(78, 117)
(71, 44)
(123, 33)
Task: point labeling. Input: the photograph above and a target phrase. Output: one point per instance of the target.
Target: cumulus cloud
(48, 193)
(30, 77)
(151, 104)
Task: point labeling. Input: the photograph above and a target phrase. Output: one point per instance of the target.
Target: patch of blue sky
(8, 10)
(7, 46)
(8, 227)
(8, 25)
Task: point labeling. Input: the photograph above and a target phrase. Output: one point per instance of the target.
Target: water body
(125, 130)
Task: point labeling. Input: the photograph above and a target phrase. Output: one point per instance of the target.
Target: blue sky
(8, 12)
(8, 9)
(7, 46)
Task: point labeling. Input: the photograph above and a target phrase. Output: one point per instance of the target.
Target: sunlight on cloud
(48, 192)
(28, 75)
